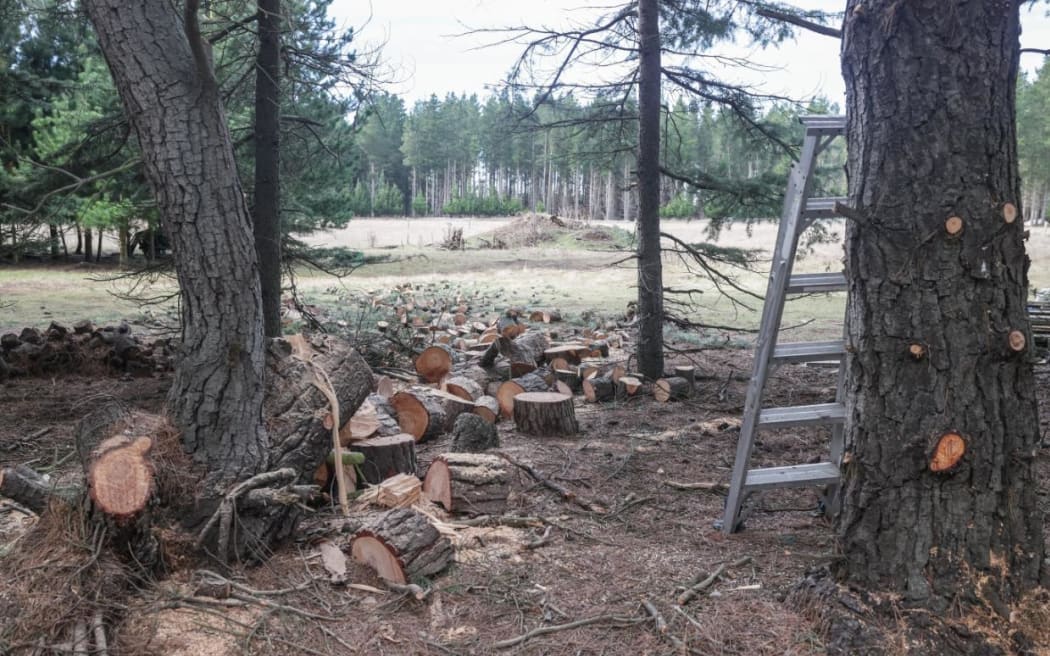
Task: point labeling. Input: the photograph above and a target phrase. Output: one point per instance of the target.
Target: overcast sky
(421, 45)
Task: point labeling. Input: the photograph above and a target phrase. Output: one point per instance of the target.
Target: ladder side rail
(772, 312)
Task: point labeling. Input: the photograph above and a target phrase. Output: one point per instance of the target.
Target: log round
(510, 389)
(487, 407)
(545, 414)
(671, 389)
(420, 413)
(434, 363)
(571, 378)
(464, 387)
(599, 389)
(473, 434)
(386, 456)
(686, 372)
(474, 483)
(626, 387)
(401, 545)
(571, 353)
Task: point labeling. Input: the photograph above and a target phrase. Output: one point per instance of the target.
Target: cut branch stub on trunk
(671, 389)
(401, 545)
(950, 449)
(510, 389)
(545, 413)
(472, 483)
(386, 456)
(434, 363)
(1017, 341)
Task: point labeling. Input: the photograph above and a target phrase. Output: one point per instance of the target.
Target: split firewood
(464, 387)
(599, 390)
(545, 413)
(401, 545)
(487, 407)
(510, 389)
(671, 389)
(472, 483)
(474, 434)
(399, 491)
(386, 456)
(434, 363)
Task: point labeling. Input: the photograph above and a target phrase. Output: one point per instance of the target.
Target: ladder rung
(821, 473)
(809, 352)
(804, 283)
(823, 124)
(823, 208)
(802, 415)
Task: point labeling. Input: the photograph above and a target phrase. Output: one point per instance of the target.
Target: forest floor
(652, 539)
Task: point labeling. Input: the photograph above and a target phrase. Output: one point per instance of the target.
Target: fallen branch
(661, 623)
(544, 630)
(410, 589)
(684, 598)
(565, 493)
(542, 540)
(716, 488)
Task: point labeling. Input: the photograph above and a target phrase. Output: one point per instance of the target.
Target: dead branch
(565, 493)
(542, 540)
(684, 598)
(544, 630)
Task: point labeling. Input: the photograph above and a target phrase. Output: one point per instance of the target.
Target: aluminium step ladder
(799, 213)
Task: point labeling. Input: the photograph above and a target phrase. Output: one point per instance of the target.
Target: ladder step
(818, 474)
(809, 352)
(824, 125)
(823, 208)
(802, 415)
(803, 283)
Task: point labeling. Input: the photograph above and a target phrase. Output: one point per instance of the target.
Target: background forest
(70, 171)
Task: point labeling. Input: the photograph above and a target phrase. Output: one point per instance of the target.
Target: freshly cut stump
(434, 363)
(599, 389)
(401, 545)
(487, 407)
(120, 477)
(545, 413)
(671, 389)
(474, 483)
(626, 387)
(686, 372)
(571, 353)
(512, 388)
(473, 434)
(386, 456)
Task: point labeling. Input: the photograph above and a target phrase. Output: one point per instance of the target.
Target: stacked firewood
(83, 349)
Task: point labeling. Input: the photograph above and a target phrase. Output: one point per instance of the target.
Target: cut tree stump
(474, 434)
(599, 389)
(571, 353)
(401, 545)
(671, 389)
(474, 483)
(120, 477)
(688, 373)
(545, 414)
(487, 407)
(464, 387)
(571, 378)
(434, 363)
(510, 389)
(386, 456)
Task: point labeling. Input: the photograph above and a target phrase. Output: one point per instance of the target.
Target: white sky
(420, 44)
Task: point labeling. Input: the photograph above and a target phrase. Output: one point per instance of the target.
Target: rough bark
(473, 433)
(671, 389)
(650, 346)
(545, 414)
(401, 545)
(599, 389)
(162, 73)
(386, 456)
(930, 106)
(473, 483)
(267, 190)
(508, 390)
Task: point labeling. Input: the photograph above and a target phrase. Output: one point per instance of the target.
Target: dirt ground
(652, 540)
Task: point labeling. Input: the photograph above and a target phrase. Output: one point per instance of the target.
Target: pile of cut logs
(82, 349)
(464, 387)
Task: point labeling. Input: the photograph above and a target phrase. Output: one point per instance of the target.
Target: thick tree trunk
(164, 78)
(650, 349)
(930, 101)
(268, 163)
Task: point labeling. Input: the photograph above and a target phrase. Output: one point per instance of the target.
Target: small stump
(545, 413)
(386, 456)
(474, 434)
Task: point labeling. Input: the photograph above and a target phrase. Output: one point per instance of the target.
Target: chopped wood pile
(84, 349)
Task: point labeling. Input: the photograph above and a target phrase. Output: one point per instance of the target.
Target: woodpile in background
(83, 349)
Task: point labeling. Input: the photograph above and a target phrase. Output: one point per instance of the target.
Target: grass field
(574, 279)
